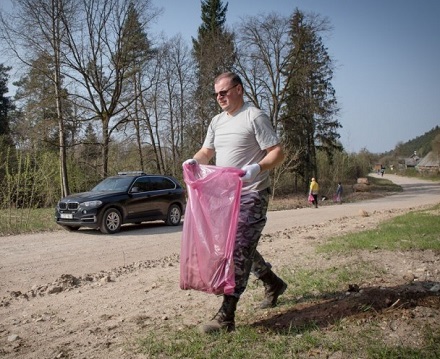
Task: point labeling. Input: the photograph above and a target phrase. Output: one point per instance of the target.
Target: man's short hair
(235, 79)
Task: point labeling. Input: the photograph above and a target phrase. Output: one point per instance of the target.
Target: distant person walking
(339, 191)
(314, 191)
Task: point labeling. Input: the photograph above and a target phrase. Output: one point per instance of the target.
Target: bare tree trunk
(136, 85)
(105, 145)
(56, 40)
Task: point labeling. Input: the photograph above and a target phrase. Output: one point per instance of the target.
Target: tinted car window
(113, 184)
(153, 184)
(142, 184)
(158, 183)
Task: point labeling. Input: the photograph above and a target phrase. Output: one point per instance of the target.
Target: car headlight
(91, 204)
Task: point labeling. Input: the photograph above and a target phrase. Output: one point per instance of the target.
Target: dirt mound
(356, 303)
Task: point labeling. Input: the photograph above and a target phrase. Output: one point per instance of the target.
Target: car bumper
(77, 219)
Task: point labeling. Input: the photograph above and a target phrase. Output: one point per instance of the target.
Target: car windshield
(113, 184)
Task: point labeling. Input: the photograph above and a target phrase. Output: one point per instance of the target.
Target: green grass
(246, 342)
(344, 337)
(415, 230)
(383, 185)
(378, 187)
(311, 284)
(249, 342)
(18, 221)
(412, 172)
(431, 350)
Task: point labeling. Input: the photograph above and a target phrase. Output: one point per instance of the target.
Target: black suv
(129, 197)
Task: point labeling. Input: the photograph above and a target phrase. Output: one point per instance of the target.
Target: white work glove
(191, 161)
(251, 171)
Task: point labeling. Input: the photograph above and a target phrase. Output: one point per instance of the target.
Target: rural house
(430, 164)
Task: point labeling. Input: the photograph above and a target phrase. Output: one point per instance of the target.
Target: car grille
(69, 205)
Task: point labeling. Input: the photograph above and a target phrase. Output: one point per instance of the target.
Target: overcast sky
(387, 54)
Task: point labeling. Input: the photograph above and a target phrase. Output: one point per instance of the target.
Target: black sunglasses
(224, 92)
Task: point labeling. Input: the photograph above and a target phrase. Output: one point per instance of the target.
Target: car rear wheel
(174, 215)
(111, 221)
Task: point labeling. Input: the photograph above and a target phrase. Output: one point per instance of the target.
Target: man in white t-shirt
(242, 136)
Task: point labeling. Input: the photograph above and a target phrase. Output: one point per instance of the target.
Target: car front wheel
(111, 221)
(174, 215)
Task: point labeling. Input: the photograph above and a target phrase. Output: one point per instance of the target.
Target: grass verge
(379, 187)
(342, 341)
(415, 230)
(27, 220)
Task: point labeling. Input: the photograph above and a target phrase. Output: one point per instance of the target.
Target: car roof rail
(132, 173)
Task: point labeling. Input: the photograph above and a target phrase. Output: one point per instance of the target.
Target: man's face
(229, 95)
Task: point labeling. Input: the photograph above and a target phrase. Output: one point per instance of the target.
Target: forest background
(99, 96)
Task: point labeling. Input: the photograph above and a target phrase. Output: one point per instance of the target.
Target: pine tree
(36, 98)
(214, 53)
(134, 53)
(6, 106)
(309, 120)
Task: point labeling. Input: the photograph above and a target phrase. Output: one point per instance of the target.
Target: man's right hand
(191, 161)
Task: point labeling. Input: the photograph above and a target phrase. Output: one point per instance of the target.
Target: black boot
(273, 288)
(225, 317)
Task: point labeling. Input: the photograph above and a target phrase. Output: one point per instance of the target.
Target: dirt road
(40, 258)
(85, 294)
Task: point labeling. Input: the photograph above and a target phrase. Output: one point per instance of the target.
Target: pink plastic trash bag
(209, 228)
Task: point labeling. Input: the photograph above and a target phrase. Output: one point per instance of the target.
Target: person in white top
(242, 136)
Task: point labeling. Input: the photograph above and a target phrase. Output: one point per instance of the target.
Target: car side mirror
(135, 190)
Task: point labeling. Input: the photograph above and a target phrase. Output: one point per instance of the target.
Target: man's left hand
(251, 172)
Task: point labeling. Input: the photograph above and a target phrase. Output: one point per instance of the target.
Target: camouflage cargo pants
(252, 219)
